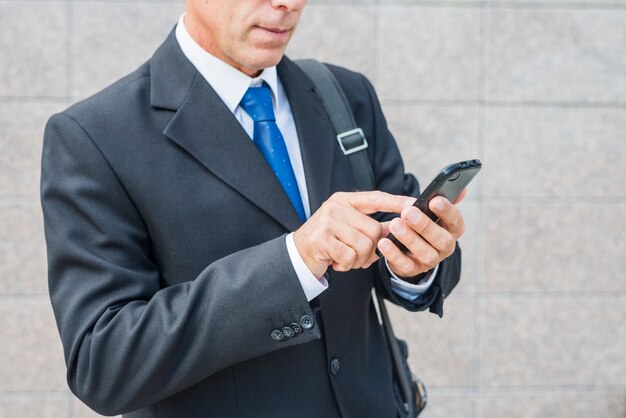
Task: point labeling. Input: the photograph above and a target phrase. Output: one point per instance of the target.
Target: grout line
(33, 99)
(573, 201)
(505, 5)
(479, 262)
(19, 200)
(548, 5)
(70, 49)
(520, 104)
(556, 295)
(32, 297)
(378, 44)
(524, 390)
(34, 395)
(541, 295)
(71, 407)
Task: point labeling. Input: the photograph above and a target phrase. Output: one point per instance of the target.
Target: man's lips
(274, 29)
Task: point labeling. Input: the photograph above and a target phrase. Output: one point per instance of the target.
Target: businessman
(208, 254)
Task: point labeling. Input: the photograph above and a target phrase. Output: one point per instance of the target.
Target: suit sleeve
(390, 177)
(127, 342)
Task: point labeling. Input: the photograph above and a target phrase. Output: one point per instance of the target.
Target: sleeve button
(307, 322)
(277, 335)
(288, 332)
(296, 327)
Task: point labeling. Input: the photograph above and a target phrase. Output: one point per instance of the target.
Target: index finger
(377, 201)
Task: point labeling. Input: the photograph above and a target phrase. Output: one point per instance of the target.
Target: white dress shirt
(230, 85)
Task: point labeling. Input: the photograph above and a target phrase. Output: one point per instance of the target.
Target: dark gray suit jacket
(168, 268)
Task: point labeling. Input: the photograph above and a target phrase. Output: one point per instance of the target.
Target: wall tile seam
(503, 5)
(19, 200)
(478, 320)
(46, 2)
(25, 297)
(464, 295)
(496, 104)
(552, 296)
(32, 395)
(526, 390)
(69, 45)
(9, 99)
(378, 46)
(539, 201)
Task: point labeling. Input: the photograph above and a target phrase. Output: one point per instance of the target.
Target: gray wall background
(535, 89)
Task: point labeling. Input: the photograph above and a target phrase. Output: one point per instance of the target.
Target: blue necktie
(257, 102)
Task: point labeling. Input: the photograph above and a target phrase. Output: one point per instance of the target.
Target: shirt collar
(229, 83)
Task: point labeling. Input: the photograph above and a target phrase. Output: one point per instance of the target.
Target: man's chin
(258, 65)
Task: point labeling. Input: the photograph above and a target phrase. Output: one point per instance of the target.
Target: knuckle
(406, 266)
(431, 258)
(376, 230)
(376, 196)
(455, 223)
(338, 196)
(362, 246)
(368, 246)
(461, 228)
(425, 225)
(330, 206)
(348, 256)
(393, 258)
(447, 243)
(325, 227)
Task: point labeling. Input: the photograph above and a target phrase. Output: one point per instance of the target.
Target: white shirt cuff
(411, 291)
(311, 285)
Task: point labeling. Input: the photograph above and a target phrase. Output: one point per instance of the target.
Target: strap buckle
(352, 141)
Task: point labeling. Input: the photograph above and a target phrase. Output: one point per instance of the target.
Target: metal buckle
(421, 397)
(354, 132)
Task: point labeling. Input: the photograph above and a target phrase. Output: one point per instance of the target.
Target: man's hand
(428, 243)
(341, 235)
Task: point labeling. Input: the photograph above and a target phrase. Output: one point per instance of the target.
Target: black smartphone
(449, 183)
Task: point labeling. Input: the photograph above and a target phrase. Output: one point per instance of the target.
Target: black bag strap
(354, 145)
(349, 136)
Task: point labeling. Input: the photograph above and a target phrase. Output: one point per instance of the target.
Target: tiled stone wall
(536, 89)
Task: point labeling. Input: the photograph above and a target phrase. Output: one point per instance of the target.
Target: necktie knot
(257, 102)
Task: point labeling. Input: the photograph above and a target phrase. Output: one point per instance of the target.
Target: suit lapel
(315, 132)
(204, 127)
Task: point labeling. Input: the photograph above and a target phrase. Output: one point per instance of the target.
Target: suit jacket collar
(205, 128)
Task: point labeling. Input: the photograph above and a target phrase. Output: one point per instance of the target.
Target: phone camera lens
(456, 176)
